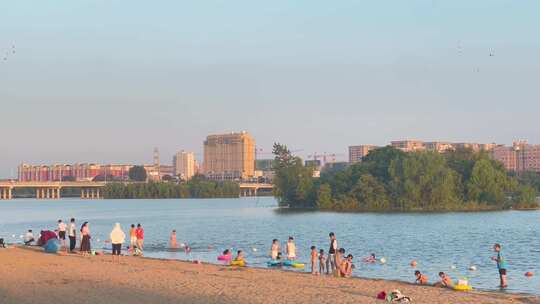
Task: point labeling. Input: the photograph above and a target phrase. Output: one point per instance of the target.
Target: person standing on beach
(501, 264)
(72, 234)
(139, 232)
(331, 260)
(62, 233)
(117, 239)
(172, 240)
(85, 239)
(314, 257)
(274, 250)
(132, 238)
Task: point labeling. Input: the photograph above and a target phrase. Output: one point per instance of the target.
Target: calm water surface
(436, 241)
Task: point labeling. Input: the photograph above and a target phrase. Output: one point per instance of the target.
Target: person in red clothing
(139, 232)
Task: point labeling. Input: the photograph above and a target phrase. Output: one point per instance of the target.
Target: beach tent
(45, 236)
(52, 246)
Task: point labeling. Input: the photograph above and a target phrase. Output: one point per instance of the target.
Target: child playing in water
(371, 259)
(239, 256)
(314, 256)
(226, 255)
(420, 278)
(446, 281)
(274, 250)
(172, 240)
(322, 261)
(291, 249)
(501, 264)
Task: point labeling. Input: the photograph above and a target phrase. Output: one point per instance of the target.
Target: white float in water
(473, 268)
(383, 260)
(254, 249)
(453, 267)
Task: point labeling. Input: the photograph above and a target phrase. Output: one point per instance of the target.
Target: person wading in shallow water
(139, 232)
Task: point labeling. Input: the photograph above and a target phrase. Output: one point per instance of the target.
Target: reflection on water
(437, 241)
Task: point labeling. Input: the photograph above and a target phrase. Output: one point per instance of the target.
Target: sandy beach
(32, 276)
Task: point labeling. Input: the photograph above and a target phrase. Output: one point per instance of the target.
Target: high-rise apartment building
(229, 156)
(184, 165)
(356, 153)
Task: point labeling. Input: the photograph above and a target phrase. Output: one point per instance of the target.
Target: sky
(106, 81)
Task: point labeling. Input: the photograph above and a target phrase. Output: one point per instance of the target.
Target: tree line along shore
(388, 179)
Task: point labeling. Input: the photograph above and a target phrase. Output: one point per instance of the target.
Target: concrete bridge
(92, 190)
(251, 189)
(51, 190)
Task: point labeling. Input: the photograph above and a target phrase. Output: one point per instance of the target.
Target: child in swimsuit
(446, 281)
(420, 278)
(274, 250)
(239, 256)
(314, 256)
(291, 249)
(322, 261)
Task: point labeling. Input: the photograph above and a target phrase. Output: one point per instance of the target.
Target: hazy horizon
(106, 81)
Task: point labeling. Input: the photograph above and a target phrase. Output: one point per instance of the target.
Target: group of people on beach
(447, 282)
(117, 238)
(336, 262)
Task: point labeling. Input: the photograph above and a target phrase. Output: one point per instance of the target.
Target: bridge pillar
(92, 193)
(10, 193)
(98, 194)
(82, 193)
(48, 193)
(58, 193)
(2, 193)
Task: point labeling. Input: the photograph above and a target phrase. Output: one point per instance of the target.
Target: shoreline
(37, 277)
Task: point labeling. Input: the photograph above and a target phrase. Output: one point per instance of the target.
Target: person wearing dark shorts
(501, 264)
(62, 233)
(117, 239)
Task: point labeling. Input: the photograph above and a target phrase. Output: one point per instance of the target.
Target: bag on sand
(52, 246)
(398, 297)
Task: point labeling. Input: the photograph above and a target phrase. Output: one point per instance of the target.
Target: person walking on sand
(331, 260)
(172, 240)
(117, 240)
(501, 264)
(274, 250)
(132, 237)
(62, 233)
(85, 239)
(72, 234)
(291, 249)
(139, 232)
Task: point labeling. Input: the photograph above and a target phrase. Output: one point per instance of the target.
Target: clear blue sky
(106, 80)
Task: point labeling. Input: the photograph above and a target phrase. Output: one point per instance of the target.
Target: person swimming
(370, 259)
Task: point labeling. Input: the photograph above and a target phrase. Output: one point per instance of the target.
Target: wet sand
(32, 276)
